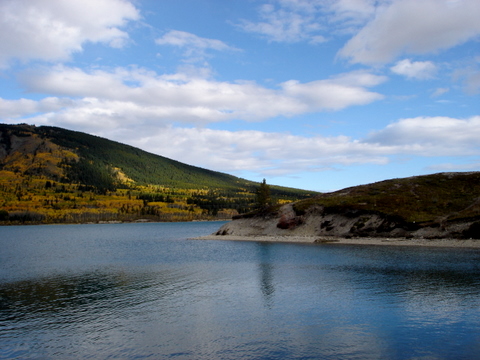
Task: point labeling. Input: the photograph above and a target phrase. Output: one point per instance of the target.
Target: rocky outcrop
(347, 223)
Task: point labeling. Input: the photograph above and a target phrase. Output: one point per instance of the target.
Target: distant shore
(455, 243)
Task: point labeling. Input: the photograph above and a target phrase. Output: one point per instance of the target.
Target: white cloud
(185, 39)
(291, 21)
(15, 109)
(413, 27)
(440, 91)
(454, 167)
(313, 21)
(354, 9)
(178, 97)
(470, 76)
(338, 92)
(195, 46)
(472, 82)
(52, 30)
(431, 136)
(348, 15)
(420, 70)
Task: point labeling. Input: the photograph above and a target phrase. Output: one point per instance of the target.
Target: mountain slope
(40, 166)
(74, 150)
(79, 149)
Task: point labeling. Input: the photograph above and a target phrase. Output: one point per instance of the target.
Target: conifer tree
(263, 195)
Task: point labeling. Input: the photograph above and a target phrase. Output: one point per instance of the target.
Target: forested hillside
(50, 174)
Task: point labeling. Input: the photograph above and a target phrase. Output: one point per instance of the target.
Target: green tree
(263, 195)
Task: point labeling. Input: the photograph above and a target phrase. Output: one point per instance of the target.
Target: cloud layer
(132, 94)
(52, 30)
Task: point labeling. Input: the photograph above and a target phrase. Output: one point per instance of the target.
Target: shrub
(3, 215)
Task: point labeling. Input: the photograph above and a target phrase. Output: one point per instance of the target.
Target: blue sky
(312, 94)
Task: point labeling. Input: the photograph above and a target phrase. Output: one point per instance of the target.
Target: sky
(311, 94)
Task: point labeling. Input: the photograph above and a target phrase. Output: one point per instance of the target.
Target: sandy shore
(353, 241)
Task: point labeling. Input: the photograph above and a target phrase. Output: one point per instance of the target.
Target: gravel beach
(352, 241)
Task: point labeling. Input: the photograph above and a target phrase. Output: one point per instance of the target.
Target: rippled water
(143, 291)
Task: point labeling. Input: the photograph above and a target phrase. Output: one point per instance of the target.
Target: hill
(444, 205)
(49, 174)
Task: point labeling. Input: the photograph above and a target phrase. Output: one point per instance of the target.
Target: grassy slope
(437, 197)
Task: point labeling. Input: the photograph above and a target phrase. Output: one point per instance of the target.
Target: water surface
(144, 291)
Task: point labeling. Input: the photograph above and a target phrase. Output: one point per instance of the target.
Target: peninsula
(432, 210)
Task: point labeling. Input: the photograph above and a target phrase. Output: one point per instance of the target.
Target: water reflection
(28, 297)
(97, 313)
(409, 274)
(265, 268)
(88, 294)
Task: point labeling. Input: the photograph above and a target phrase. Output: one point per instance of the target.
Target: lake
(145, 291)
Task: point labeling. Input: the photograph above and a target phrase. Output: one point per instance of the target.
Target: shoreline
(451, 243)
(112, 222)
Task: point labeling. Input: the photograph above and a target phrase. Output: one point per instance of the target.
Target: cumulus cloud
(52, 30)
(419, 70)
(413, 27)
(338, 92)
(178, 97)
